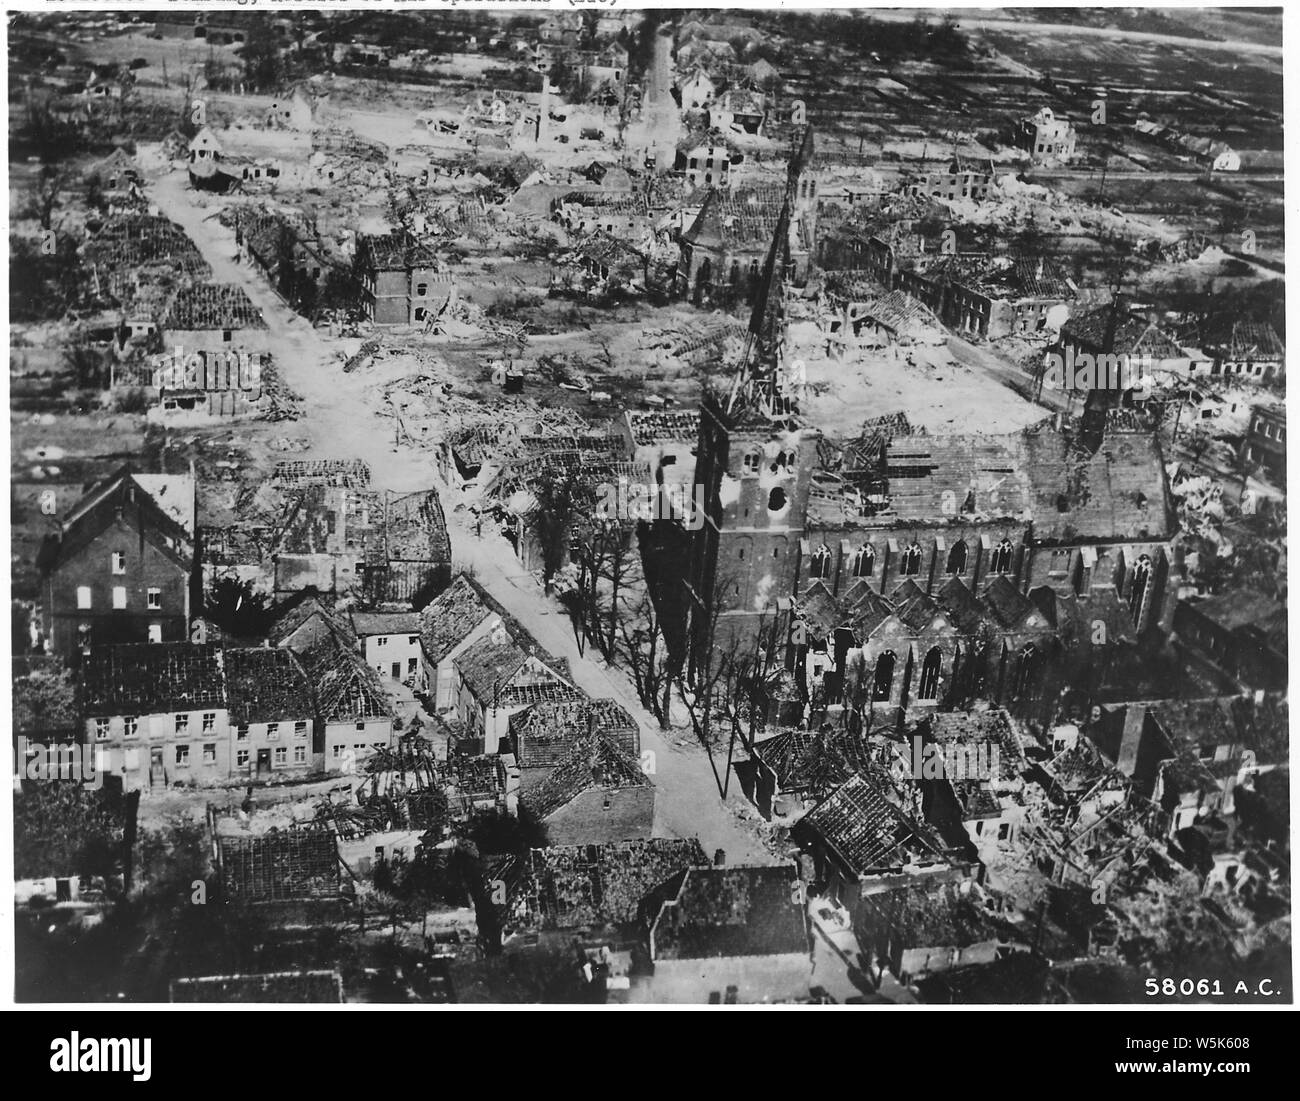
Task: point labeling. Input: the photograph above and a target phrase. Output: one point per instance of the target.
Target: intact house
(1045, 136)
(595, 795)
(402, 281)
(390, 643)
(728, 935)
(121, 566)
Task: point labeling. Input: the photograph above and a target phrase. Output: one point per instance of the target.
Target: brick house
(402, 281)
(596, 794)
(121, 566)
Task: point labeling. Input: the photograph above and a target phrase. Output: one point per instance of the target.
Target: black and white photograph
(590, 505)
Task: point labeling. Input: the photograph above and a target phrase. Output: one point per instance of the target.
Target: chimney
(719, 858)
(1130, 742)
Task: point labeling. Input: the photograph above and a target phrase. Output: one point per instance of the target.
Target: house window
(209, 753)
(226, 335)
(153, 599)
(864, 561)
(241, 758)
(299, 754)
(130, 726)
(281, 757)
(119, 596)
(412, 640)
(419, 313)
(241, 732)
(381, 640)
(209, 722)
(182, 756)
(300, 730)
(1060, 564)
(182, 723)
(155, 632)
(411, 665)
(272, 731)
(421, 290)
(957, 558)
(119, 562)
(83, 596)
(749, 464)
(1004, 831)
(101, 730)
(338, 752)
(361, 726)
(911, 564)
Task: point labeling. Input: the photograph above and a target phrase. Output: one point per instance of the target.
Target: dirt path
(340, 419)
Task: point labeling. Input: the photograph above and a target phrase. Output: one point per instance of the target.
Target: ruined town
(601, 506)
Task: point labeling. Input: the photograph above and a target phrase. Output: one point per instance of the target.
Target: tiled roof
(1134, 333)
(591, 763)
(153, 678)
(992, 727)
(575, 886)
(298, 612)
(546, 732)
(385, 623)
(928, 917)
(732, 912)
(489, 664)
(455, 612)
(213, 306)
(347, 689)
(867, 831)
(266, 685)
